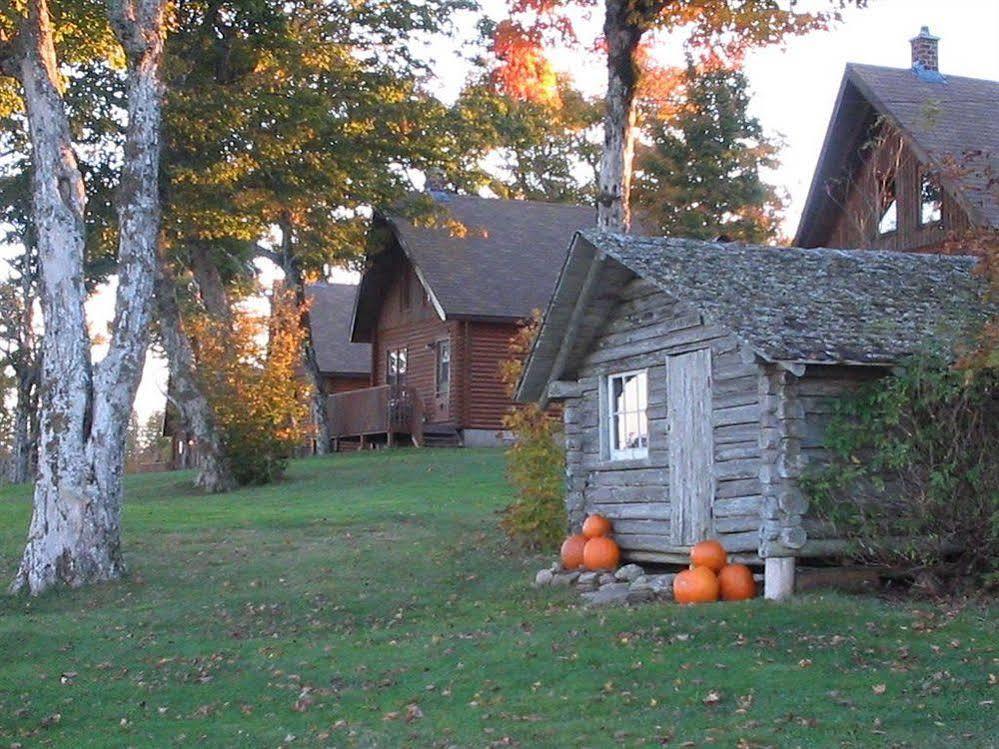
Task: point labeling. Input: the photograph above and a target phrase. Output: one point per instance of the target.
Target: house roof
(502, 264)
(329, 317)
(943, 118)
(813, 306)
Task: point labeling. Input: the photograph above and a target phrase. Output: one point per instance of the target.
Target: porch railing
(384, 409)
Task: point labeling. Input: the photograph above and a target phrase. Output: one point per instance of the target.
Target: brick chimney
(924, 50)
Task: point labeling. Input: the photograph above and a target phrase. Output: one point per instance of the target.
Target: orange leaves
(250, 372)
(524, 72)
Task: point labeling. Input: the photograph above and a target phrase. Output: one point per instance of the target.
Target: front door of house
(442, 380)
(691, 445)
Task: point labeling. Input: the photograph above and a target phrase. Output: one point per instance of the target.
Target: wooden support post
(390, 439)
(362, 442)
(778, 578)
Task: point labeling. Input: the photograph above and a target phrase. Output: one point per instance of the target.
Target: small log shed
(697, 380)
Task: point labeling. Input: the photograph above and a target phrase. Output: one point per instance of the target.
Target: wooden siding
(857, 219)
(644, 328)
(486, 397)
(335, 384)
(477, 399)
(416, 328)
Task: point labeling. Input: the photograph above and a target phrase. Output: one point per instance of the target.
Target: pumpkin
(596, 525)
(736, 583)
(696, 585)
(601, 553)
(572, 551)
(710, 554)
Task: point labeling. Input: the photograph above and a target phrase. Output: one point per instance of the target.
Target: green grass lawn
(371, 601)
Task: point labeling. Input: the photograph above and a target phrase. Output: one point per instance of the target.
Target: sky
(793, 91)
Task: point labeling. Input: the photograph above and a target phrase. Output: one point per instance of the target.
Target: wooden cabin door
(691, 446)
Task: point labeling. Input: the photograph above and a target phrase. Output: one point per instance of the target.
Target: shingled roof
(502, 264)
(943, 117)
(332, 305)
(787, 304)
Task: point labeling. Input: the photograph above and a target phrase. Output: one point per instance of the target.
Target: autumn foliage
(250, 370)
(535, 460)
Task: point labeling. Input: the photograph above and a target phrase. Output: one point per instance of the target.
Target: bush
(251, 375)
(535, 461)
(914, 475)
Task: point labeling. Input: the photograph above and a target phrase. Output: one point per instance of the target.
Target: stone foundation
(628, 585)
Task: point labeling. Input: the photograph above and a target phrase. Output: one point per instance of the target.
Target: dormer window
(930, 201)
(888, 215)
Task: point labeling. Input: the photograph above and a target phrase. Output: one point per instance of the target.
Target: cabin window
(888, 215)
(930, 201)
(627, 422)
(443, 369)
(395, 367)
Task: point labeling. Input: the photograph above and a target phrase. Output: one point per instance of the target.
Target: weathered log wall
(645, 328)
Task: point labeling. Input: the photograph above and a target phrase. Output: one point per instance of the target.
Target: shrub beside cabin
(438, 306)
(697, 379)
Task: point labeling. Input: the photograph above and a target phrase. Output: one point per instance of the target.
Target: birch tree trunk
(214, 471)
(74, 536)
(622, 35)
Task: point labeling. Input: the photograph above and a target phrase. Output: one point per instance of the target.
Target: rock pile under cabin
(698, 378)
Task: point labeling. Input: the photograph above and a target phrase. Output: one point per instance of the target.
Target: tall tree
(713, 26)
(697, 173)
(74, 535)
(296, 116)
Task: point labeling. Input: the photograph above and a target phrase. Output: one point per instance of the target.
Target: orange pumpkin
(710, 554)
(596, 525)
(736, 583)
(601, 553)
(572, 551)
(697, 585)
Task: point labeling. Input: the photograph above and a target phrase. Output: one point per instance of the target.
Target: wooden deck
(372, 415)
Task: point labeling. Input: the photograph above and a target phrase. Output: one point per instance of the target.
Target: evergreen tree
(698, 175)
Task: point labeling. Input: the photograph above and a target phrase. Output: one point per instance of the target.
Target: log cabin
(438, 305)
(343, 365)
(910, 158)
(697, 379)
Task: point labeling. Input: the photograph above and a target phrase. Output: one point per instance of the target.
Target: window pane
(930, 201)
(643, 429)
(617, 398)
(401, 357)
(620, 430)
(889, 219)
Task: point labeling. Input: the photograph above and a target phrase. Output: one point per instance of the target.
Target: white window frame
(611, 413)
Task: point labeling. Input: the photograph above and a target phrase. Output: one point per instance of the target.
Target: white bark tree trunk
(622, 35)
(74, 536)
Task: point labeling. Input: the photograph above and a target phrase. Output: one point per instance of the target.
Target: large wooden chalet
(438, 306)
(911, 156)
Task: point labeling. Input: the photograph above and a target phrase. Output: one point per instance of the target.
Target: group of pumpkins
(709, 578)
(592, 549)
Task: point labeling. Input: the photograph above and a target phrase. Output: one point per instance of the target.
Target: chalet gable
(791, 306)
(499, 265)
(947, 122)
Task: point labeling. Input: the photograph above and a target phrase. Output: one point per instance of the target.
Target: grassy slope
(380, 581)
